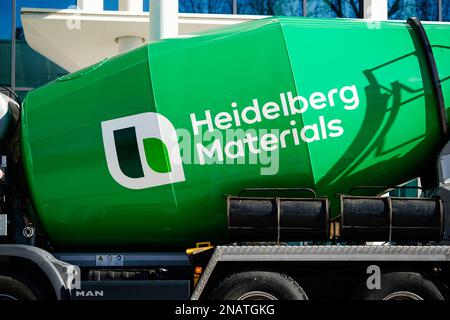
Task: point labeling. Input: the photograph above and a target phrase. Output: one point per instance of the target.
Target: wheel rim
(257, 295)
(402, 295)
(7, 297)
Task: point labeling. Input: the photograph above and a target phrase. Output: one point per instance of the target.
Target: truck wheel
(258, 285)
(11, 289)
(400, 286)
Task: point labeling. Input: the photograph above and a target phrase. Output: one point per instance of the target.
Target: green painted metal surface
(328, 104)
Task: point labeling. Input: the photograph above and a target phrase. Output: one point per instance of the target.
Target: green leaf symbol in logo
(157, 155)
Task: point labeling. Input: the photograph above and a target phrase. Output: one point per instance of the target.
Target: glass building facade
(33, 70)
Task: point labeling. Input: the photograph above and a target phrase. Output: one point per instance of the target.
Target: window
(111, 5)
(334, 8)
(206, 6)
(5, 43)
(31, 68)
(446, 10)
(270, 7)
(5, 20)
(422, 9)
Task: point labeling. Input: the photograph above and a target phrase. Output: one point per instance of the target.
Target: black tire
(400, 286)
(11, 289)
(258, 285)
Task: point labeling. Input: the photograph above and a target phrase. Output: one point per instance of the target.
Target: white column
(376, 9)
(163, 19)
(90, 5)
(128, 42)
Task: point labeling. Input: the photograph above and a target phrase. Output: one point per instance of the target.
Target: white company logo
(142, 151)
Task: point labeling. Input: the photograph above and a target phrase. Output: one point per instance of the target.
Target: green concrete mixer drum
(140, 149)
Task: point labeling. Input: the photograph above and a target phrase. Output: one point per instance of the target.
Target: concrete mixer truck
(249, 162)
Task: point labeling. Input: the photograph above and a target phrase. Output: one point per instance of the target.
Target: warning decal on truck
(108, 260)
